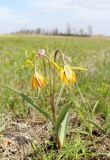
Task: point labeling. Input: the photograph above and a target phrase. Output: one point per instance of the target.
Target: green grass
(90, 99)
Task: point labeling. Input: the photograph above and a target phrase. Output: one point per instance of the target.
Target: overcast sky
(48, 14)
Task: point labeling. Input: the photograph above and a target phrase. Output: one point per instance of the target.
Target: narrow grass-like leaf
(79, 131)
(81, 110)
(96, 125)
(95, 105)
(30, 101)
(79, 68)
(61, 117)
(2, 85)
(62, 131)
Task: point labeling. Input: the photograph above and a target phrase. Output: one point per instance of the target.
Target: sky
(49, 14)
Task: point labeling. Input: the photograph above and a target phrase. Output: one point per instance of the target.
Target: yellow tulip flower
(38, 81)
(67, 75)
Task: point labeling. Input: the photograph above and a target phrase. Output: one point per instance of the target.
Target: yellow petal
(74, 79)
(55, 65)
(40, 80)
(63, 76)
(34, 82)
(68, 72)
(65, 79)
(79, 68)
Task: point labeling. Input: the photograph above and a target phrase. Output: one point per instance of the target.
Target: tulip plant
(67, 75)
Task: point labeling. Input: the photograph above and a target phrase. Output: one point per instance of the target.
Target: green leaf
(61, 117)
(96, 104)
(62, 131)
(30, 101)
(96, 125)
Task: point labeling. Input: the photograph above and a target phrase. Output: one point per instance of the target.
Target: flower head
(38, 81)
(41, 53)
(67, 75)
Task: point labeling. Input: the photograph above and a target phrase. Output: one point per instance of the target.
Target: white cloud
(69, 4)
(90, 4)
(79, 13)
(23, 22)
(6, 12)
(56, 13)
(49, 5)
(11, 21)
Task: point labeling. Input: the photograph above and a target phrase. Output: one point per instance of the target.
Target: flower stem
(53, 89)
(60, 94)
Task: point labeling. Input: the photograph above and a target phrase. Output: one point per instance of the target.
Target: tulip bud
(41, 53)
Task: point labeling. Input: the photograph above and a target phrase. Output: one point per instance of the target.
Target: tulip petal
(42, 81)
(55, 65)
(74, 79)
(38, 81)
(68, 72)
(63, 76)
(34, 82)
(79, 68)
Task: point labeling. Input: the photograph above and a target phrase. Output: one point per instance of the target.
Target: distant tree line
(68, 32)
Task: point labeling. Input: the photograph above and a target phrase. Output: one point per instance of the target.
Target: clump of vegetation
(68, 76)
(83, 96)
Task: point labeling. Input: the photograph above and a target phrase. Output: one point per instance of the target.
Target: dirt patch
(21, 136)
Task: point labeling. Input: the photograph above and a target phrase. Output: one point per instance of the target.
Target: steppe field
(24, 132)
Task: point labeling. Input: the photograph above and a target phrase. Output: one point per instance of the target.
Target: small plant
(53, 74)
